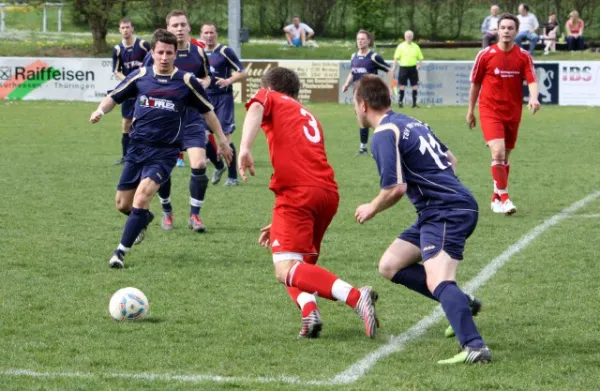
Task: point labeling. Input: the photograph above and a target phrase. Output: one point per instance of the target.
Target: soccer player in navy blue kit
(226, 69)
(163, 96)
(364, 62)
(127, 56)
(190, 58)
(411, 160)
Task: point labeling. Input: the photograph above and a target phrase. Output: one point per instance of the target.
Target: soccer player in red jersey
(498, 74)
(306, 199)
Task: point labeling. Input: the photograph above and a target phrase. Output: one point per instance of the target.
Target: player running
(497, 79)
(226, 69)
(306, 199)
(363, 62)
(127, 56)
(163, 95)
(411, 160)
(190, 58)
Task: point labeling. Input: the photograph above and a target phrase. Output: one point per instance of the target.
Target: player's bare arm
(386, 198)
(534, 103)
(348, 82)
(213, 123)
(249, 131)
(235, 78)
(473, 95)
(105, 106)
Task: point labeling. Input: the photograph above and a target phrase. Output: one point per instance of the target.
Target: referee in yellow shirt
(410, 57)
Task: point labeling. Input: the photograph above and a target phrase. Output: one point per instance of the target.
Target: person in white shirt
(489, 27)
(528, 25)
(298, 33)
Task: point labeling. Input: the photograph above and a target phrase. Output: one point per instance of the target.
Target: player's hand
(205, 82)
(364, 213)
(471, 120)
(245, 161)
(222, 83)
(225, 150)
(345, 88)
(533, 106)
(264, 239)
(96, 116)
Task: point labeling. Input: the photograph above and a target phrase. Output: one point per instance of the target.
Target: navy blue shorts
(127, 108)
(143, 161)
(442, 229)
(223, 104)
(194, 132)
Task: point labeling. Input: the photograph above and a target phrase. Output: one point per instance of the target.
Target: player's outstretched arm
(386, 198)
(534, 103)
(473, 95)
(249, 131)
(105, 106)
(348, 82)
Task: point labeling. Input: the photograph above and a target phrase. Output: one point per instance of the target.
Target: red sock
(305, 301)
(507, 165)
(500, 178)
(311, 278)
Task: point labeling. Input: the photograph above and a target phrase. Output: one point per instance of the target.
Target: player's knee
(122, 205)
(282, 269)
(387, 270)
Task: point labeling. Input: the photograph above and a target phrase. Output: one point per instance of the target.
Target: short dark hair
(282, 80)
(209, 24)
(176, 13)
(508, 16)
(164, 36)
(370, 36)
(126, 21)
(525, 7)
(374, 92)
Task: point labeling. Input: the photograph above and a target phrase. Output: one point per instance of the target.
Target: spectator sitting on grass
(298, 33)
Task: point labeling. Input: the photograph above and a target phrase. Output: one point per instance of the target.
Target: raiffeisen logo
(51, 73)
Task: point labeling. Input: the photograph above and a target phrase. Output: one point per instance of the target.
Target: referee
(410, 57)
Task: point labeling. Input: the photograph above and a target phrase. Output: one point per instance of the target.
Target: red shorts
(494, 128)
(300, 218)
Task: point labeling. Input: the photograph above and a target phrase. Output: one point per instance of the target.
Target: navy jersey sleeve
(148, 60)
(197, 97)
(384, 148)
(380, 62)
(117, 66)
(204, 69)
(233, 59)
(145, 45)
(128, 87)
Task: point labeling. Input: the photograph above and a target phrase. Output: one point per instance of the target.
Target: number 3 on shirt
(434, 149)
(313, 138)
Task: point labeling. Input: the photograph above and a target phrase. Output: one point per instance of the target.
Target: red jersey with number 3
(501, 75)
(296, 143)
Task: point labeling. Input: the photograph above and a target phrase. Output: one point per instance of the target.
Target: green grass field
(216, 308)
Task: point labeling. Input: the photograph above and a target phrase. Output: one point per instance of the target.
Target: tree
(370, 14)
(97, 13)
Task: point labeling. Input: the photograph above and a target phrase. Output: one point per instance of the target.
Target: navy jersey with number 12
(407, 152)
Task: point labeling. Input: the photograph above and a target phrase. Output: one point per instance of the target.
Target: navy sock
(456, 307)
(414, 278)
(414, 96)
(164, 195)
(211, 154)
(124, 142)
(232, 170)
(401, 98)
(136, 222)
(364, 135)
(198, 184)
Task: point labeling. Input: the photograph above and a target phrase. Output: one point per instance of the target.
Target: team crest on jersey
(157, 103)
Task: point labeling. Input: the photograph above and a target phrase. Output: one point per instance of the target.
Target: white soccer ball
(128, 304)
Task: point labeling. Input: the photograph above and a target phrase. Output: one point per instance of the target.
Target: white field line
(590, 216)
(362, 366)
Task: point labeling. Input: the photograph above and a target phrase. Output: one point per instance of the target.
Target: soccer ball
(128, 304)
